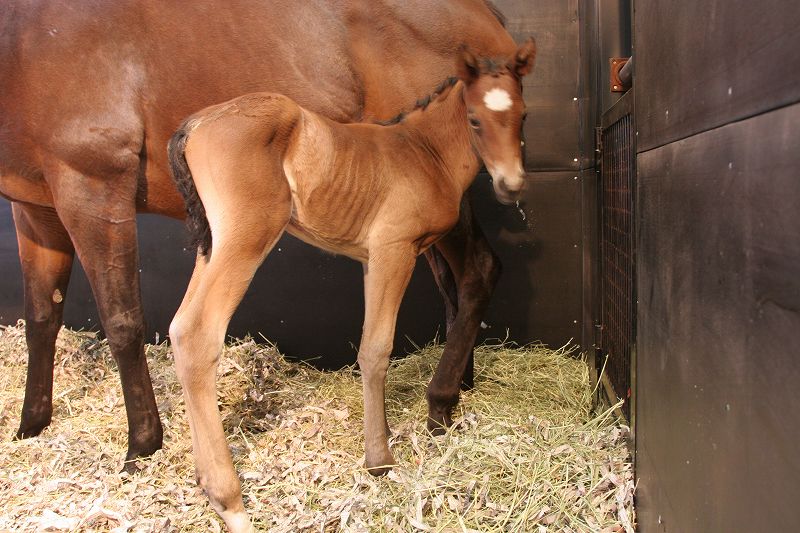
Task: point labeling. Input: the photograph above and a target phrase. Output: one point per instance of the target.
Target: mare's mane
(486, 65)
(422, 103)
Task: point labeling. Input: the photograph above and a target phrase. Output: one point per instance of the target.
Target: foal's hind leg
(197, 334)
(198, 331)
(46, 255)
(475, 269)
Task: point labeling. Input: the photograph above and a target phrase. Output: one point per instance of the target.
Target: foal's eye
(474, 123)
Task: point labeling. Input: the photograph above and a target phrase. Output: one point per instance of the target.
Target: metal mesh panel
(617, 269)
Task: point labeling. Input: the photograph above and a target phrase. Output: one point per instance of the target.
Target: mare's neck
(443, 132)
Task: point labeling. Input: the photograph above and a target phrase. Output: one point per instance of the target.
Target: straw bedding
(527, 452)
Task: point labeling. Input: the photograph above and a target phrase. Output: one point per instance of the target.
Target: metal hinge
(598, 335)
(598, 140)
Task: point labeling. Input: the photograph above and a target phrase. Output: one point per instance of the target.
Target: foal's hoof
(380, 466)
(378, 471)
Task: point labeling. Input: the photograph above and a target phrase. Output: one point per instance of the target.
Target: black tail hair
(196, 220)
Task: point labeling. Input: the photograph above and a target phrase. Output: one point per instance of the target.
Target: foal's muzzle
(508, 189)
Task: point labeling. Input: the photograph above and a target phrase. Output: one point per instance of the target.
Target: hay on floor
(527, 452)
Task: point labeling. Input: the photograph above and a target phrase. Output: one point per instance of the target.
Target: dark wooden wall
(717, 106)
(311, 303)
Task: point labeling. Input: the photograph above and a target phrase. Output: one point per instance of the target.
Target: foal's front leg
(386, 277)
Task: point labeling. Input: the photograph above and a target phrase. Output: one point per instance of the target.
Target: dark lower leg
(475, 269)
(112, 269)
(46, 256)
(125, 333)
(444, 388)
(449, 291)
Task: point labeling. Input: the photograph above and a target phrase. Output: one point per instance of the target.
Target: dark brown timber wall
(717, 89)
(311, 303)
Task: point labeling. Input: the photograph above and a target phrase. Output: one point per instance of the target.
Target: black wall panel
(711, 62)
(719, 329)
(10, 273)
(553, 127)
(539, 295)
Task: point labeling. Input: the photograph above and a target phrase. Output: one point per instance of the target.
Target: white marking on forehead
(497, 99)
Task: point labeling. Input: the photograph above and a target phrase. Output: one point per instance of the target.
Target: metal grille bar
(617, 253)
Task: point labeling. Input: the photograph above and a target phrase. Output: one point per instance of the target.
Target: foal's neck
(442, 129)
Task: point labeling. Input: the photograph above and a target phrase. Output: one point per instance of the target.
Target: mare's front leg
(46, 255)
(386, 277)
(100, 215)
(475, 270)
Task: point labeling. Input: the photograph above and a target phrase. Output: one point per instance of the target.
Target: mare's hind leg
(100, 216)
(475, 269)
(446, 283)
(46, 255)
(385, 280)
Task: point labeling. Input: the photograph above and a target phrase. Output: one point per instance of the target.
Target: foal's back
(340, 177)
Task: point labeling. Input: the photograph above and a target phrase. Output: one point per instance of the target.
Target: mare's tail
(196, 221)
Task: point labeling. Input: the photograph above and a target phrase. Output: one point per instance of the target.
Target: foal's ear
(466, 65)
(522, 63)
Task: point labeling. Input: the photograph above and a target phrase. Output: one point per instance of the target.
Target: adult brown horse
(256, 166)
(90, 92)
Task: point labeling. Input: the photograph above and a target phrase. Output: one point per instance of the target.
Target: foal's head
(495, 110)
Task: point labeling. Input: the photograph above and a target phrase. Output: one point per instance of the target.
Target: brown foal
(256, 166)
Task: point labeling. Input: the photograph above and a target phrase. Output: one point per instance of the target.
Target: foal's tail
(196, 221)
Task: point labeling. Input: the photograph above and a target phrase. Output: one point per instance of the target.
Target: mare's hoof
(436, 429)
(439, 422)
(28, 431)
(130, 466)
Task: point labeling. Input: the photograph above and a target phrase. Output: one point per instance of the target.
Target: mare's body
(90, 92)
(260, 164)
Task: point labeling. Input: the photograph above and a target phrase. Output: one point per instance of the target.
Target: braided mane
(422, 103)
